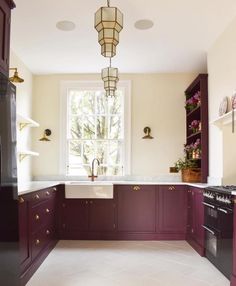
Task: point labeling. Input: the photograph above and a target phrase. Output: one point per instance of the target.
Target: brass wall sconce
(15, 78)
(46, 133)
(147, 131)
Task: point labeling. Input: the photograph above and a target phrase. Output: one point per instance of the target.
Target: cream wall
(222, 82)
(24, 107)
(157, 101)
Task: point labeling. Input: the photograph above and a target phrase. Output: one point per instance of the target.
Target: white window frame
(90, 85)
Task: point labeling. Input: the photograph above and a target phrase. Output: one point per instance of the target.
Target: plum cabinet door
(102, 215)
(198, 215)
(24, 233)
(172, 209)
(5, 15)
(75, 215)
(136, 208)
(189, 214)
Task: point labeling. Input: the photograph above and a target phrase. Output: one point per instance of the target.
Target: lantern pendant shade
(110, 78)
(108, 23)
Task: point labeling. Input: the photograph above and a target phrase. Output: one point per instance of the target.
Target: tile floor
(126, 263)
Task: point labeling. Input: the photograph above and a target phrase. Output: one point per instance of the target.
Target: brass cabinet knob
(37, 217)
(54, 189)
(37, 242)
(136, 188)
(47, 232)
(47, 211)
(48, 193)
(91, 202)
(37, 197)
(171, 188)
(21, 200)
(86, 202)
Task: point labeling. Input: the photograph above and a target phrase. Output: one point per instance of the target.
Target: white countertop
(32, 186)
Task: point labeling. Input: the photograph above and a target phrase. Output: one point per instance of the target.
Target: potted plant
(189, 170)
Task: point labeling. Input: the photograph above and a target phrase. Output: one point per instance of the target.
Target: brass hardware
(114, 226)
(47, 211)
(37, 197)
(147, 131)
(23, 125)
(46, 133)
(37, 242)
(21, 200)
(173, 170)
(86, 202)
(54, 189)
(47, 232)
(15, 78)
(37, 217)
(171, 188)
(136, 188)
(48, 193)
(92, 176)
(91, 202)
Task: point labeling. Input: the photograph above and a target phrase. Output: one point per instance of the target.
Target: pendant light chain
(108, 3)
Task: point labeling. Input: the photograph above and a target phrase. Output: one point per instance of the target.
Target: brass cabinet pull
(37, 242)
(47, 232)
(136, 188)
(21, 200)
(91, 202)
(37, 217)
(171, 188)
(47, 211)
(48, 193)
(54, 189)
(86, 202)
(37, 197)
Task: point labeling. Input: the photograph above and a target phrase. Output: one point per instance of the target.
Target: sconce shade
(46, 133)
(110, 78)
(108, 23)
(15, 78)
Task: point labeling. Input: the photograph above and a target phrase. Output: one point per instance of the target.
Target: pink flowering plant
(193, 101)
(194, 126)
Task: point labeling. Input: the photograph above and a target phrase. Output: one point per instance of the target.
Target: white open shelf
(224, 119)
(24, 121)
(24, 153)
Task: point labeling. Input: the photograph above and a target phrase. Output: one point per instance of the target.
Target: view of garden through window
(95, 130)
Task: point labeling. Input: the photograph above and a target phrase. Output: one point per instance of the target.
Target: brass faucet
(92, 175)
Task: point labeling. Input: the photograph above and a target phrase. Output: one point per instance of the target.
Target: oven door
(212, 244)
(210, 214)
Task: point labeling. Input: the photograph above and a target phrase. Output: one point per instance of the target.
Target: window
(94, 126)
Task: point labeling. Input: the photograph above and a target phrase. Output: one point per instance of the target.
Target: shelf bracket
(23, 125)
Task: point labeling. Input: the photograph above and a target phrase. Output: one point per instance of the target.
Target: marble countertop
(32, 186)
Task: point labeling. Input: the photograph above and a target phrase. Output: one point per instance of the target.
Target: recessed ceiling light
(143, 24)
(65, 25)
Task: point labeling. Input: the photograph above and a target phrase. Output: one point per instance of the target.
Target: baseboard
(200, 249)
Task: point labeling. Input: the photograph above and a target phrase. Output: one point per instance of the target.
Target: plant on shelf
(193, 102)
(195, 126)
(193, 150)
(189, 170)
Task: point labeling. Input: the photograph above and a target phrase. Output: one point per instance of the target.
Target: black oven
(218, 226)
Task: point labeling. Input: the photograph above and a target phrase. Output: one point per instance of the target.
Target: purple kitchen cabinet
(172, 209)
(136, 208)
(102, 215)
(195, 232)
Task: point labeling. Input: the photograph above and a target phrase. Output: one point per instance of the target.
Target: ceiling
(182, 33)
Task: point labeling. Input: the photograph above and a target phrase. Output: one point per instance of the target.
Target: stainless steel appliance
(218, 225)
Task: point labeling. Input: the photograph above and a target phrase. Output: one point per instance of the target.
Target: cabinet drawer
(45, 194)
(43, 214)
(172, 188)
(41, 239)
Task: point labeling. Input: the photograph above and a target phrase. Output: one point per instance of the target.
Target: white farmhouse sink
(88, 190)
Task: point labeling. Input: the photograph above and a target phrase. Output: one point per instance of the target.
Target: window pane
(75, 101)
(115, 153)
(76, 126)
(101, 127)
(88, 127)
(101, 103)
(75, 150)
(88, 152)
(115, 131)
(102, 151)
(88, 106)
(78, 170)
(114, 171)
(115, 103)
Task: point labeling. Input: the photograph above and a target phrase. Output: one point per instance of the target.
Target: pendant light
(110, 78)
(108, 23)
(15, 78)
